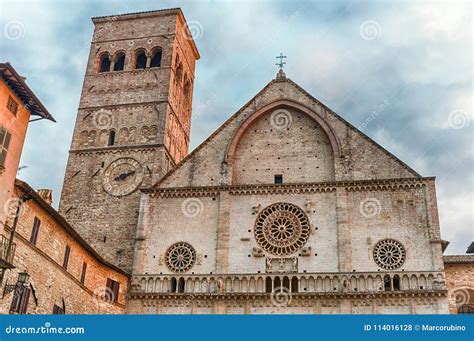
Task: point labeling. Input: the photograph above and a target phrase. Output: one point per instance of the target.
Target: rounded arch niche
(283, 142)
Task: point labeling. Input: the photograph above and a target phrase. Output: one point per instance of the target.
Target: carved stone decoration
(257, 252)
(294, 264)
(308, 205)
(161, 260)
(389, 254)
(268, 262)
(282, 229)
(282, 265)
(256, 208)
(306, 251)
(199, 259)
(180, 257)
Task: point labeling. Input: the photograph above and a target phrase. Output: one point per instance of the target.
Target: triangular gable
(203, 166)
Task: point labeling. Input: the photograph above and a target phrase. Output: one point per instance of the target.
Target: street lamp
(23, 278)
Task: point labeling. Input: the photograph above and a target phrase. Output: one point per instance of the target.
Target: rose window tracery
(180, 257)
(389, 254)
(282, 229)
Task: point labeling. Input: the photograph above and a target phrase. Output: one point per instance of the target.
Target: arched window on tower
(156, 58)
(104, 63)
(119, 62)
(179, 73)
(140, 60)
(111, 138)
(187, 88)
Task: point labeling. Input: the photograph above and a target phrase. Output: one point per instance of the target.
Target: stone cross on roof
(281, 73)
(281, 62)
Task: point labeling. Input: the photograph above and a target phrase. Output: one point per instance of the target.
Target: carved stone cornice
(117, 149)
(132, 105)
(116, 74)
(294, 188)
(380, 297)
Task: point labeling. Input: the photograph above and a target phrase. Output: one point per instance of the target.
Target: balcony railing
(6, 256)
(354, 282)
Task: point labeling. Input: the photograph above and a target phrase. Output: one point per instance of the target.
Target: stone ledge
(352, 186)
(458, 259)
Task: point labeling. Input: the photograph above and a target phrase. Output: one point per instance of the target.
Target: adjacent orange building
(17, 104)
(45, 265)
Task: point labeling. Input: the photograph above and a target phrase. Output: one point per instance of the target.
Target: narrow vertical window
(111, 138)
(187, 89)
(57, 310)
(268, 284)
(83, 272)
(66, 257)
(21, 297)
(5, 138)
(140, 60)
(35, 231)
(113, 287)
(104, 63)
(156, 59)
(179, 73)
(119, 62)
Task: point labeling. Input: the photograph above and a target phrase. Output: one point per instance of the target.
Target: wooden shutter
(15, 306)
(114, 287)
(115, 290)
(66, 257)
(24, 300)
(83, 273)
(34, 232)
(5, 137)
(57, 310)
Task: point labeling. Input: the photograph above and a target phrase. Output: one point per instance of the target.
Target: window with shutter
(24, 301)
(113, 288)
(5, 137)
(35, 231)
(66, 257)
(83, 272)
(12, 105)
(21, 297)
(57, 310)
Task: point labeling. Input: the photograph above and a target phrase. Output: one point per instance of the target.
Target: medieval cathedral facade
(285, 208)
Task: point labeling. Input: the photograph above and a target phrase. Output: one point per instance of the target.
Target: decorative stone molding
(315, 187)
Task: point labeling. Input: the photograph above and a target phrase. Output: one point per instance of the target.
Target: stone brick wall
(460, 280)
(355, 155)
(353, 192)
(302, 151)
(149, 114)
(50, 281)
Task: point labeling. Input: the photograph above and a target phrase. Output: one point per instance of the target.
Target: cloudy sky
(399, 70)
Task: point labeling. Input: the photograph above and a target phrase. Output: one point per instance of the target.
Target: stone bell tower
(132, 126)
